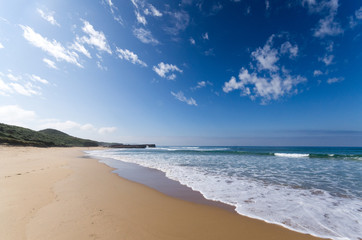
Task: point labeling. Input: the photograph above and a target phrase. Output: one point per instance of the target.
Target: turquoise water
(308, 189)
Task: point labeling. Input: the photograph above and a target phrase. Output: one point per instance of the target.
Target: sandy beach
(56, 193)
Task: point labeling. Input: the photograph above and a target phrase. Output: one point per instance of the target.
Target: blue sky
(188, 72)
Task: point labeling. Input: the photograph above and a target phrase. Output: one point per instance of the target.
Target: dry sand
(54, 193)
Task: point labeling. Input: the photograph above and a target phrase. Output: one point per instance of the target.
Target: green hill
(13, 135)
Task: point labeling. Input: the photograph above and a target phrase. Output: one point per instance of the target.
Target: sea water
(307, 189)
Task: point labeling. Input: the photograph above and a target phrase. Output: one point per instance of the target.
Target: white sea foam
(312, 211)
(292, 155)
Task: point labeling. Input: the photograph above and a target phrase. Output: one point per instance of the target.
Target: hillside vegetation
(13, 135)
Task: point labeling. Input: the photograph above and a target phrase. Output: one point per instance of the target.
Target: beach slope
(55, 193)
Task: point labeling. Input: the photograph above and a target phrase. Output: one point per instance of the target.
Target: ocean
(315, 190)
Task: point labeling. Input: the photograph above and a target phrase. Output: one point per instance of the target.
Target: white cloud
(151, 10)
(15, 115)
(267, 5)
(140, 18)
(101, 67)
(111, 5)
(205, 36)
(287, 47)
(50, 63)
(317, 73)
(79, 47)
(71, 125)
(178, 22)
(192, 41)
(181, 97)
(27, 89)
(88, 127)
(328, 27)
(267, 56)
(21, 84)
(334, 80)
(49, 16)
(38, 79)
(145, 36)
(358, 13)
(53, 48)
(327, 59)
(267, 88)
(330, 6)
(163, 70)
(201, 84)
(130, 56)
(13, 78)
(5, 89)
(95, 38)
(105, 130)
(135, 3)
(114, 10)
(1, 46)
(209, 52)
(60, 125)
(354, 19)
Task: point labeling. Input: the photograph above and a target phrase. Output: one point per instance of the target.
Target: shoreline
(157, 180)
(57, 193)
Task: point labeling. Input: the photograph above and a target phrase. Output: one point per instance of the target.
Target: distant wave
(292, 155)
(236, 151)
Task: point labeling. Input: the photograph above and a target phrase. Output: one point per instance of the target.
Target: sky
(186, 72)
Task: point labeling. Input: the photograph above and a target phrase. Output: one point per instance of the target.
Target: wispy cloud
(358, 13)
(181, 97)
(151, 10)
(23, 84)
(145, 36)
(1, 45)
(327, 59)
(317, 73)
(48, 16)
(287, 47)
(334, 80)
(328, 27)
(53, 48)
(140, 18)
(106, 130)
(14, 78)
(165, 70)
(202, 84)
(114, 11)
(49, 63)
(36, 78)
(78, 46)
(28, 89)
(205, 36)
(192, 41)
(5, 88)
(209, 52)
(141, 7)
(178, 21)
(95, 38)
(130, 56)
